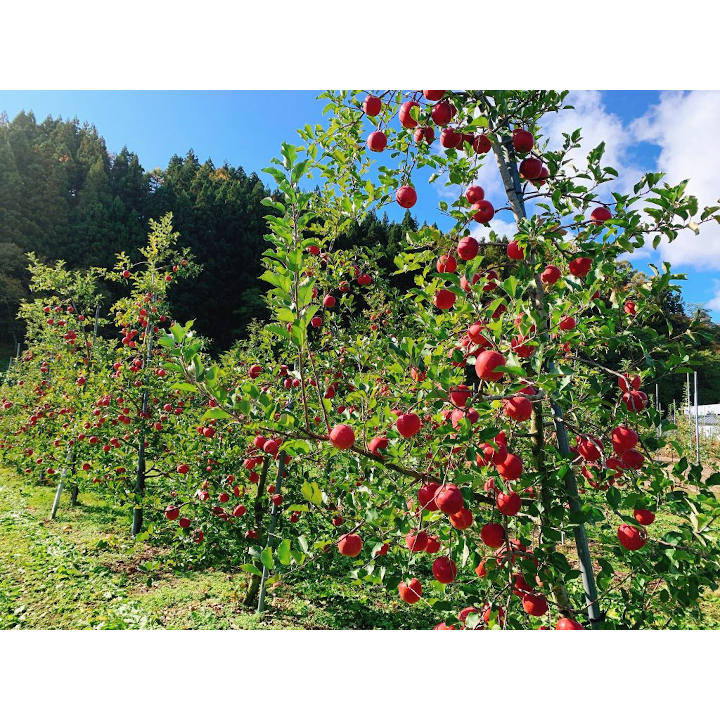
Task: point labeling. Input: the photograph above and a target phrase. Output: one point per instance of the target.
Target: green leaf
(283, 552)
(266, 557)
(216, 414)
(251, 569)
(311, 492)
(184, 387)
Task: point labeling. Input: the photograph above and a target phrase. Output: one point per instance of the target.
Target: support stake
(697, 424)
(137, 521)
(58, 492)
(270, 535)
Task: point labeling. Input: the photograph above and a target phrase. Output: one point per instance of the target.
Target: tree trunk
(270, 540)
(251, 595)
(140, 477)
(507, 166)
(139, 491)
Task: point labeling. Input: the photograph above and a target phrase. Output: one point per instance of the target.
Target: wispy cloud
(685, 126)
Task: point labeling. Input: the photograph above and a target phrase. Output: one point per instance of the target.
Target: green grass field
(83, 571)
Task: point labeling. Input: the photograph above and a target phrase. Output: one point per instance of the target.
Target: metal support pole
(270, 535)
(140, 475)
(58, 492)
(697, 423)
(507, 164)
(581, 542)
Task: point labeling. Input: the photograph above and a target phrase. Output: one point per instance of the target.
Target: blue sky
(644, 130)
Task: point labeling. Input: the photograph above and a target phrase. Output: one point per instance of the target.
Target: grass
(83, 571)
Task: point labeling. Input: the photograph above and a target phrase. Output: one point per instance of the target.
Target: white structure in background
(708, 419)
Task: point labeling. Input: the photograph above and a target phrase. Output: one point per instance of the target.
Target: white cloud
(596, 125)
(685, 126)
(714, 303)
(500, 226)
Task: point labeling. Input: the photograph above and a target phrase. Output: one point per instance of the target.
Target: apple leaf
(266, 557)
(283, 552)
(251, 569)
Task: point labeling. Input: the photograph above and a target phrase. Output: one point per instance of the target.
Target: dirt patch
(131, 565)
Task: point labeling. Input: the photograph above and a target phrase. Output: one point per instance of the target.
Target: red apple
(567, 323)
(635, 400)
(350, 545)
(474, 194)
(406, 119)
(416, 542)
(460, 395)
(632, 459)
(377, 141)
(522, 140)
(510, 468)
(580, 267)
(271, 447)
(446, 264)
(449, 499)
(426, 496)
(487, 364)
(372, 105)
(623, 438)
(481, 144)
(630, 537)
(410, 592)
(342, 436)
(518, 408)
(599, 215)
(450, 139)
(444, 299)
(462, 519)
(550, 275)
(444, 570)
(535, 605)
(467, 248)
(406, 196)
(508, 504)
(493, 534)
(514, 251)
(443, 113)
(424, 134)
(484, 211)
(408, 424)
(433, 545)
(377, 444)
(531, 168)
(644, 517)
(565, 623)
